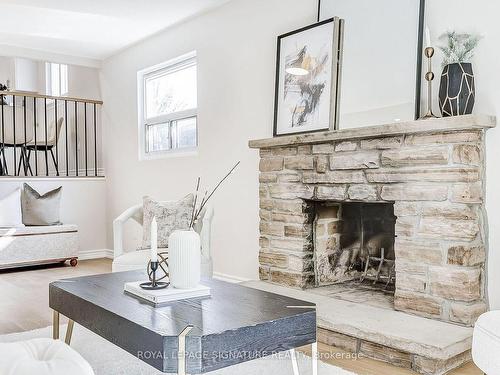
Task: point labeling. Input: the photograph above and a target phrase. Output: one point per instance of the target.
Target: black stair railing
(42, 135)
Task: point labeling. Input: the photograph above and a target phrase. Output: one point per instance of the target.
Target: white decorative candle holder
(184, 259)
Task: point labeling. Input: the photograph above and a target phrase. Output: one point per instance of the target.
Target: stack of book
(169, 294)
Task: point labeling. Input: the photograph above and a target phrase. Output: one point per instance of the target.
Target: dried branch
(204, 201)
(204, 198)
(194, 203)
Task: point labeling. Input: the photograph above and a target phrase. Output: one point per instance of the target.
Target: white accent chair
(138, 259)
(41, 357)
(486, 343)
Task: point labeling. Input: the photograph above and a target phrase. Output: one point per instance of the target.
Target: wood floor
(24, 306)
(25, 294)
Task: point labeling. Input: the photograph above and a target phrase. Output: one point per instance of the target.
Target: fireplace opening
(354, 245)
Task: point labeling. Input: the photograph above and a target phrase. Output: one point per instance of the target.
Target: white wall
(83, 82)
(479, 16)
(26, 74)
(6, 70)
(38, 54)
(236, 47)
(82, 203)
(29, 75)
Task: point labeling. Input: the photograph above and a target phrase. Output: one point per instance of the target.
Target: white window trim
(141, 115)
(48, 79)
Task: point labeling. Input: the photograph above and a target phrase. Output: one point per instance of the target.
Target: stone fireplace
(398, 206)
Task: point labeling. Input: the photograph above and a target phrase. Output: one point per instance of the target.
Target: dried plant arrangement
(459, 48)
(198, 208)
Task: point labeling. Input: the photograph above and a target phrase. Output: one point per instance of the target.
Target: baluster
(46, 144)
(14, 131)
(36, 141)
(66, 135)
(3, 164)
(85, 133)
(76, 137)
(25, 162)
(95, 141)
(56, 146)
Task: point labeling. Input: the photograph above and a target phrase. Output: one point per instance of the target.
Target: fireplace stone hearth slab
(353, 291)
(425, 345)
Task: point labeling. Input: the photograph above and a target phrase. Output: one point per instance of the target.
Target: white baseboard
(229, 278)
(95, 254)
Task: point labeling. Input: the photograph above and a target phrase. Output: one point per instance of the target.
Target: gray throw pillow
(170, 216)
(40, 209)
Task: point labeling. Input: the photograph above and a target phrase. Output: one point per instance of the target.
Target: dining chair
(15, 133)
(44, 144)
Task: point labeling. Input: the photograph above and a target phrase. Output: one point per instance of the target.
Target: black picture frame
(420, 47)
(277, 78)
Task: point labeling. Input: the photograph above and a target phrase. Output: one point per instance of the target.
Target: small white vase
(184, 259)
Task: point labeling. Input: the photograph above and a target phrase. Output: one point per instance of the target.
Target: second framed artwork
(307, 74)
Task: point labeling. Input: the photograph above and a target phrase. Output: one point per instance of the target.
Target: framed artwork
(306, 79)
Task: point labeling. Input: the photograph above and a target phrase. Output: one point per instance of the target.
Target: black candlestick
(153, 284)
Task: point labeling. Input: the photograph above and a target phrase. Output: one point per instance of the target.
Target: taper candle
(154, 240)
(428, 37)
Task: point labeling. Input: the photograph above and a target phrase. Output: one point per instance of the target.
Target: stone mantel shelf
(445, 124)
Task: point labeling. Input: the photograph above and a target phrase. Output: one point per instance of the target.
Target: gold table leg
(181, 362)
(55, 325)
(314, 359)
(69, 332)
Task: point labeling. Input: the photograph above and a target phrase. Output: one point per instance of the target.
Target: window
(56, 79)
(168, 107)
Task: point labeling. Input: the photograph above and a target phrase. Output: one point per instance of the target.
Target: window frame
(170, 66)
(48, 79)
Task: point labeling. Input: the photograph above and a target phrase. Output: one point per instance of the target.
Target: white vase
(184, 259)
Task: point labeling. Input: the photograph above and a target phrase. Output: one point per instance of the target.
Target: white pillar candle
(154, 240)
(428, 37)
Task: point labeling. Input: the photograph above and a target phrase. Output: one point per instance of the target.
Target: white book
(169, 294)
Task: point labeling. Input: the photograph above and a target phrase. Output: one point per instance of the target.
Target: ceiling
(92, 29)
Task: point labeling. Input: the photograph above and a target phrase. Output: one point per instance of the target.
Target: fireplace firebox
(354, 241)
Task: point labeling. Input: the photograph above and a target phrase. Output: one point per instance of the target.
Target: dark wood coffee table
(234, 325)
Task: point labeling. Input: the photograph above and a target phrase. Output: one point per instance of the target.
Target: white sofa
(23, 246)
(138, 259)
(486, 343)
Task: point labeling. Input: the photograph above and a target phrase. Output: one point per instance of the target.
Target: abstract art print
(304, 77)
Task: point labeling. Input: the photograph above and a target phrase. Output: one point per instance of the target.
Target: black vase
(457, 90)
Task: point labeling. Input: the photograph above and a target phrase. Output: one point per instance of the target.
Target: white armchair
(124, 260)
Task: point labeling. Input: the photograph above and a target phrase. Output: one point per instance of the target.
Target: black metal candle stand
(153, 284)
